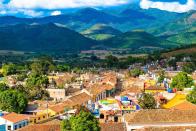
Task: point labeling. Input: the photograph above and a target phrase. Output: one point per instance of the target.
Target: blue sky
(39, 8)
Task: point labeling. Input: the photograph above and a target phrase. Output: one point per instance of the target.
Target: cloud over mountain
(169, 6)
(36, 8)
(61, 4)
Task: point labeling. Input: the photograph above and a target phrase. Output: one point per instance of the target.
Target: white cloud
(169, 6)
(60, 4)
(3, 12)
(31, 13)
(56, 13)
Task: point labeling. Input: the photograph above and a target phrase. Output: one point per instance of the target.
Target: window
(101, 116)
(38, 118)
(44, 117)
(15, 127)
(116, 119)
(9, 128)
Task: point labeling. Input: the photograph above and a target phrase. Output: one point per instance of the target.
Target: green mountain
(101, 32)
(183, 38)
(186, 23)
(138, 40)
(125, 19)
(47, 37)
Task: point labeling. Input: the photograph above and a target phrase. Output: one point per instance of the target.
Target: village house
(97, 91)
(13, 121)
(57, 94)
(160, 118)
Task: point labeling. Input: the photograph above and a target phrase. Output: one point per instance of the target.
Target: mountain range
(87, 28)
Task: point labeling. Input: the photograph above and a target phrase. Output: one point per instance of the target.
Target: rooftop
(112, 127)
(13, 117)
(161, 116)
(39, 127)
(185, 106)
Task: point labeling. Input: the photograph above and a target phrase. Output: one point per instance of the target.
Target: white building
(13, 121)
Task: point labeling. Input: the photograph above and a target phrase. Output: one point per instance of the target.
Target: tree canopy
(42, 65)
(161, 76)
(181, 81)
(13, 101)
(136, 72)
(189, 68)
(192, 96)
(147, 101)
(84, 121)
(8, 69)
(3, 87)
(37, 80)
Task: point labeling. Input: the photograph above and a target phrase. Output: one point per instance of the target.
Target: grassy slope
(137, 39)
(101, 32)
(42, 38)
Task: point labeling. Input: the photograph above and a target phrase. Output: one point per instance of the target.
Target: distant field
(103, 53)
(180, 51)
(8, 52)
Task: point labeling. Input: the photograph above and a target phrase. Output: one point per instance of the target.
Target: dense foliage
(84, 121)
(8, 69)
(189, 68)
(192, 96)
(135, 72)
(181, 81)
(13, 101)
(147, 101)
(161, 76)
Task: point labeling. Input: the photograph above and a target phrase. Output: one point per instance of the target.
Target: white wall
(9, 123)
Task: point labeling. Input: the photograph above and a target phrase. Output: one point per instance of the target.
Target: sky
(39, 8)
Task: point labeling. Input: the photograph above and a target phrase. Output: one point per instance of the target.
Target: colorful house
(13, 121)
(177, 99)
(154, 89)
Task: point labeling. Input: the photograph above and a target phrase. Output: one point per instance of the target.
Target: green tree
(13, 101)
(189, 68)
(3, 87)
(36, 85)
(66, 125)
(8, 69)
(63, 68)
(161, 76)
(111, 61)
(37, 80)
(21, 77)
(192, 96)
(136, 72)
(181, 81)
(42, 65)
(147, 101)
(84, 121)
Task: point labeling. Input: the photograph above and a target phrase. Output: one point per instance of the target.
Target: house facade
(13, 121)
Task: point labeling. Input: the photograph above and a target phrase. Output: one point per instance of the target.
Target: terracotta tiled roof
(96, 89)
(107, 86)
(132, 90)
(161, 116)
(39, 127)
(185, 106)
(173, 128)
(58, 108)
(13, 117)
(80, 98)
(112, 127)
